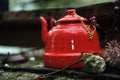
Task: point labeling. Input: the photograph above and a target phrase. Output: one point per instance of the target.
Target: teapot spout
(44, 29)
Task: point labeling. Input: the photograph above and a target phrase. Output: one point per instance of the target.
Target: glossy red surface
(65, 42)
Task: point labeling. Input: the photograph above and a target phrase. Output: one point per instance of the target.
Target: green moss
(17, 76)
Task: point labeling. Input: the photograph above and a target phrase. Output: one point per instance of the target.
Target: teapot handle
(93, 21)
(53, 22)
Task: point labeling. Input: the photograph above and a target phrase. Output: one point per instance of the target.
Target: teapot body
(65, 43)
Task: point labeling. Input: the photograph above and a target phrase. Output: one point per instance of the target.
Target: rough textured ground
(26, 75)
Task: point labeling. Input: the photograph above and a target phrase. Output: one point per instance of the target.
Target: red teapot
(65, 41)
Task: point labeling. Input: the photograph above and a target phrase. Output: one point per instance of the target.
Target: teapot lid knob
(71, 11)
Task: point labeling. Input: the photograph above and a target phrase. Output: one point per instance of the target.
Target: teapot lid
(71, 17)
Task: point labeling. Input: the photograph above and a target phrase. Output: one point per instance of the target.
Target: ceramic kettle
(65, 41)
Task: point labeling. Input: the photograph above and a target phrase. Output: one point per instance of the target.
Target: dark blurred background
(4, 5)
(20, 26)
